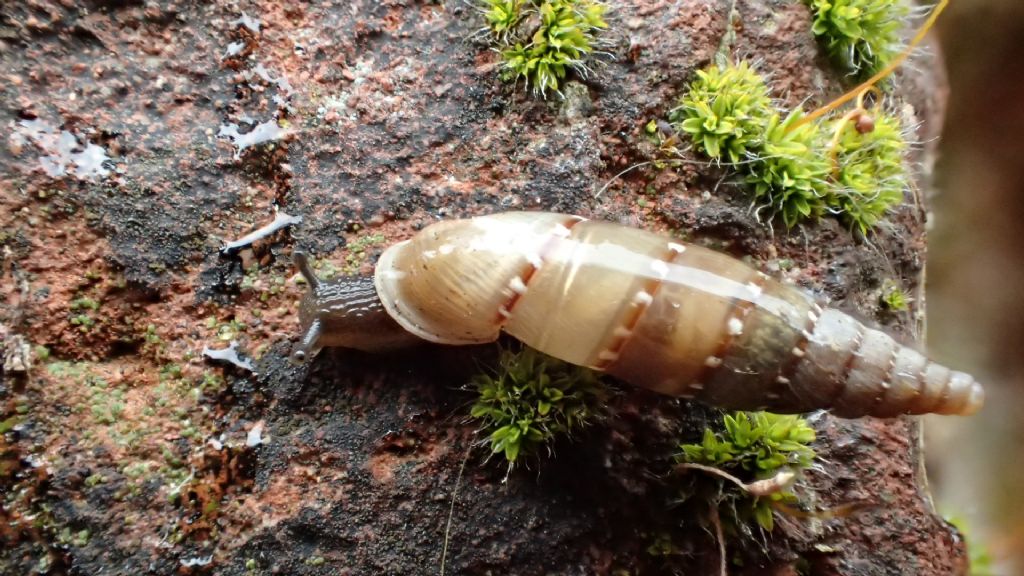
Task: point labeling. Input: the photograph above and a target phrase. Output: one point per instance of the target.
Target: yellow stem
(837, 134)
(870, 82)
(833, 145)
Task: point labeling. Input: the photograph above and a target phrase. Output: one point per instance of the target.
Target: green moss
(170, 371)
(69, 370)
(9, 424)
(861, 36)
(67, 537)
(870, 176)
(729, 116)
(106, 404)
(725, 111)
(542, 40)
(532, 400)
(83, 321)
(315, 561)
(325, 270)
(84, 307)
(227, 330)
(357, 248)
(136, 470)
(265, 289)
(793, 170)
(150, 336)
(752, 447)
(979, 558)
(662, 545)
(188, 430)
(152, 343)
(894, 298)
(789, 174)
(503, 16)
(212, 383)
(84, 304)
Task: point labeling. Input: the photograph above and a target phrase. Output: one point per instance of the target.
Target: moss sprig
(503, 16)
(532, 400)
(541, 41)
(793, 169)
(725, 111)
(894, 298)
(981, 560)
(752, 447)
(789, 174)
(869, 175)
(861, 36)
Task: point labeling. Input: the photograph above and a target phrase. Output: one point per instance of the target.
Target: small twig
(716, 522)
(451, 509)
(870, 82)
(713, 471)
(758, 488)
(281, 220)
(619, 175)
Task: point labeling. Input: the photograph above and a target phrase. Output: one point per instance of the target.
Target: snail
(672, 317)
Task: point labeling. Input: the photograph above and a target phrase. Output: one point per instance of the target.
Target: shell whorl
(668, 316)
(449, 283)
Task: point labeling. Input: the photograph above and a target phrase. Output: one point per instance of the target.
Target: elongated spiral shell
(672, 317)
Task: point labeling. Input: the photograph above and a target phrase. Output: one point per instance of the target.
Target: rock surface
(141, 137)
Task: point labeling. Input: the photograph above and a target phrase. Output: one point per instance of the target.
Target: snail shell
(665, 315)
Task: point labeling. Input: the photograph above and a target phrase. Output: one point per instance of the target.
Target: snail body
(676, 318)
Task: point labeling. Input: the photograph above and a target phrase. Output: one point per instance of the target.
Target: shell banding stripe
(846, 390)
(520, 283)
(905, 382)
(886, 383)
(641, 303)
(681, 320)
(588, 290)
(868, 371)
(448, 283)
(740, 309)
(798, 353)
(759, 338)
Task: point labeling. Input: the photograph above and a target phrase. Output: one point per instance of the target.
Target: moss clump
(869, 177)
(503, 16)
(980, 559)
(542, 40)
(84, 307)
(357, 248)
(725, 111)
(227, 330)
(862, 36)
(790, 173)
(532, 400)
(753, 447)
(894, 298)
(794, 171)
(84, 304)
